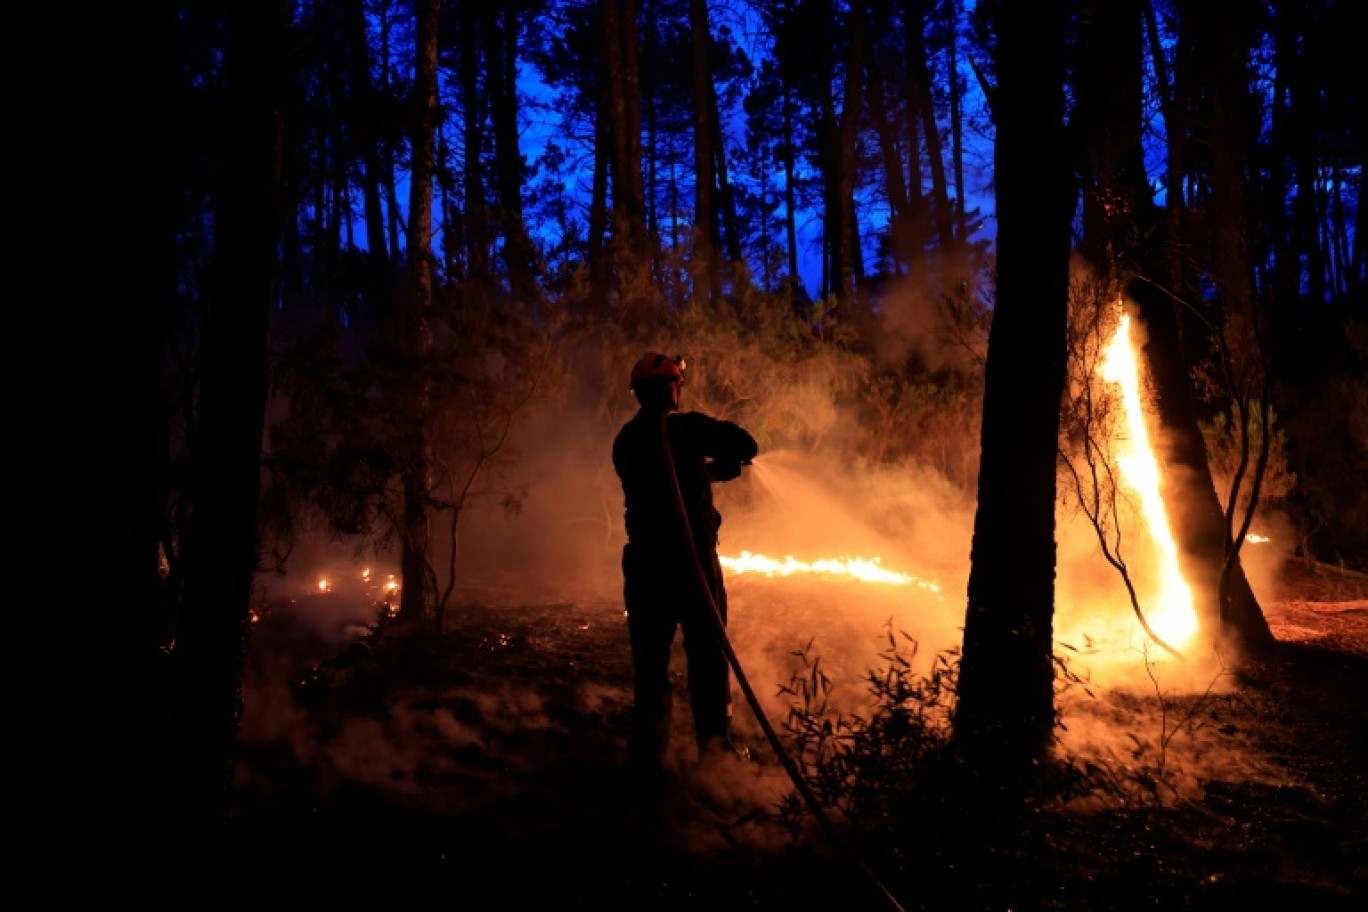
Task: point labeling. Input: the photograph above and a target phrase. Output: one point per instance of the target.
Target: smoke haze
(546, 534)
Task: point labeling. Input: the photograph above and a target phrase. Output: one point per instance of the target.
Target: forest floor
(488, 770)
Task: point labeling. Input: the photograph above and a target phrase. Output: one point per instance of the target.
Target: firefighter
(669, 503)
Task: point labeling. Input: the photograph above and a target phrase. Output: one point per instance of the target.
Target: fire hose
(789, 764)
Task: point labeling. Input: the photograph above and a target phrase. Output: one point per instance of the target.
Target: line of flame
(1173, 616)
(863, 569)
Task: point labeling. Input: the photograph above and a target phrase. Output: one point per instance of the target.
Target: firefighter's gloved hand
(724, 469)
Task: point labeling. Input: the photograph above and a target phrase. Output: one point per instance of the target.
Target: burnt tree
(1144, 242)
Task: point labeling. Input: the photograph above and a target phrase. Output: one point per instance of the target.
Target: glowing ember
(1257, 539)
(1172, 617)
(859, 568)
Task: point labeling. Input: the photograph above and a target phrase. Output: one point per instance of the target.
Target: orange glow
(858, 568)
(1171, 615)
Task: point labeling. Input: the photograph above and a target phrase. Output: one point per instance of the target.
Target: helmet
(655, 366)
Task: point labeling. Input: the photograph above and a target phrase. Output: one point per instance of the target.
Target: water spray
(789, 764)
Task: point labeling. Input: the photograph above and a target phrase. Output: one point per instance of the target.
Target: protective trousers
(661, 593)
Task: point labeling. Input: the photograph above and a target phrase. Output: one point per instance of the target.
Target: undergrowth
(885, 770)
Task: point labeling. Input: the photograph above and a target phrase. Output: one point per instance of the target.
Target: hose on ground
(789, 764)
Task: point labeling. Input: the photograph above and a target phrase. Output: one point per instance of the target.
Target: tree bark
(1230, 115)
(1225, 603)
(598, 205)
(476, 220)
(905, 245)
(838, 133)
(956, 118)
(1122, 240)
(631, 260)
(925, 106)
(520, 253)
(787, 154)
(368, 104)
(221, 547)
(418, 600)
(1005, 716)
(729, 233)
(118, 659)
(708, 281)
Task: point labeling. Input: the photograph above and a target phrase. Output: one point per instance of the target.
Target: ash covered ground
(487, 768)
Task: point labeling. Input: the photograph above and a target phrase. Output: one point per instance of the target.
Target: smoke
(939, 334)
(1164, 745)
(538, 577)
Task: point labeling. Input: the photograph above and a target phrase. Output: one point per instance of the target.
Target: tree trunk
(631, 262)
(790, 192)
(956, 117)
(221, 547)
(501, 65)
(1005, 717)
(389, 188)
(1117, 205)
(598, 206)
(372, 164)
(1233, 133)
(624, 104)
(1122, 241)
(418, 599)
(905, 246)
(118, 660)
(631, 122)
(708, 281)
(1200, 523)
(925, 105)
(729, 238)
(840, 173)
(476, 220)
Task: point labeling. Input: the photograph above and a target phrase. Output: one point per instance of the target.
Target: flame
(1172, 615)
(863, 569)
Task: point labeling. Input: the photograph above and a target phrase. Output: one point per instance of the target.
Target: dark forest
(381, 273)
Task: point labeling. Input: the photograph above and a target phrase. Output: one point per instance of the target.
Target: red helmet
(655, 366)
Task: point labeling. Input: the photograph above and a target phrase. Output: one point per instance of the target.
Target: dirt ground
(487, 771)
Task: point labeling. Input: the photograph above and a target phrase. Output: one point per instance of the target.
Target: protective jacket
(704, 450)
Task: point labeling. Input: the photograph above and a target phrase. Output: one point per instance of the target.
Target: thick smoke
(548, 532)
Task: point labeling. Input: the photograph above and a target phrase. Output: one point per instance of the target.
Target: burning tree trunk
(1004, 718)
(1127, 240)
(1199, 524)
